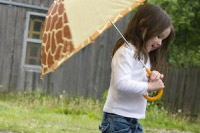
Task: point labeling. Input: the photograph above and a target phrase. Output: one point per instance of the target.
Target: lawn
(38, 113)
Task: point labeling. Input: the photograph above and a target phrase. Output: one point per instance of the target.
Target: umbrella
(71, 25)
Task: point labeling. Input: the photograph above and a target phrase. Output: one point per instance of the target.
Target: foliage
(185, 14)
(182, 56)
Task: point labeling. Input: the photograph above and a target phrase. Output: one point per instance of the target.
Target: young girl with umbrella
(149, 33)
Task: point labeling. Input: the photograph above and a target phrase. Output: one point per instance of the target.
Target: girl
(149, 34)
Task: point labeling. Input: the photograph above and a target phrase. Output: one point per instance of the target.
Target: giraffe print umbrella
(71, 25)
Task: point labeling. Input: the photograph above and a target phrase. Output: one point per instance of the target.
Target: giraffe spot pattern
(57, 39)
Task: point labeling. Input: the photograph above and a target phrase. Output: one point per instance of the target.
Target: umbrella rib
(120, 33)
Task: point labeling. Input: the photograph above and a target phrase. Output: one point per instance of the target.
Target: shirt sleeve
(122, 67)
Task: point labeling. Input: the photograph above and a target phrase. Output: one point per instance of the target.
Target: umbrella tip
(41, 76)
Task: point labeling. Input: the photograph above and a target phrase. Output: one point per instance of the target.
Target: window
(32, 41)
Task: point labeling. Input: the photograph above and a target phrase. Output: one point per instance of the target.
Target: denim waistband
(112, 115)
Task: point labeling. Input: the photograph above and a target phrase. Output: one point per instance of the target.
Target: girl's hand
(156, 85)
(155, 76)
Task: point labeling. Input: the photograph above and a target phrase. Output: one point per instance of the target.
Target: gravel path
(165, 131)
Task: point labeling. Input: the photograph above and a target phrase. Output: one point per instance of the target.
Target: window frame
(29, 67)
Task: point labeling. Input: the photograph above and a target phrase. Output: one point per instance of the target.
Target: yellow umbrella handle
(159, 94)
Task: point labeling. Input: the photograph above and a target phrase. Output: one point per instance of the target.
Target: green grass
(161, 119)
(38, 113)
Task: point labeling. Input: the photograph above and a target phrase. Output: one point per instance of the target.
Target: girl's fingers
(156, 75)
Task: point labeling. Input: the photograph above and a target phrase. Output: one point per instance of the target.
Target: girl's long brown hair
(149, 21)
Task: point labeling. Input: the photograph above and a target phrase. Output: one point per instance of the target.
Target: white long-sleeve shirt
(128, 85)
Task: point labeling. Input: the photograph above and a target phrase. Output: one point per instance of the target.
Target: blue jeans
(112, 123)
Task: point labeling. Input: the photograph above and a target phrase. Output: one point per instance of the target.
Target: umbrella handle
(159, 94)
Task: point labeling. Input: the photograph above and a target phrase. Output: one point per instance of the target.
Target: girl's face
(156, 42)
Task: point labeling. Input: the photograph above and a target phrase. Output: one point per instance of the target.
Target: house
(20, 34)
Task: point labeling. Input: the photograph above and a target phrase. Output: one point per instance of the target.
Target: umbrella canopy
(71, 25)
